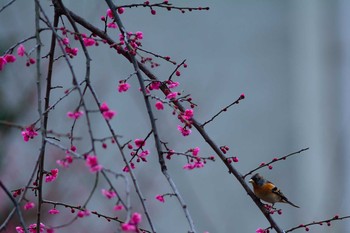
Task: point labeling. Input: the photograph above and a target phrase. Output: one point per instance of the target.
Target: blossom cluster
(132, 224)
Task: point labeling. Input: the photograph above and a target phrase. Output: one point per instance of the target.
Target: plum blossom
(32, 227)
(83, 213)
(20, 230)
(106, 112)
(185, 132)
(51, 176)
(123, 86)
(75, 115)
(89, 42)
(10, 58)
(21, 50)
(110, 13)
(65, 162)
(118, 207)
(191, 166)
(188, 114)
(132, 224)
(54, 211)
(171, 95)
(159, 105)
(195, 151)
(29, 133)
(172, 84)
(92, 163)
(139, 35)
(108, 193)
(29, 205)
(121, 10)
(155, 85)
(140, 142)
(160, 198)
(112, 25)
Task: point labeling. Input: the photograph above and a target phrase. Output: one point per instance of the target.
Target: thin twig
(273, 161)
(15, 203)
(7, 5)
(224, 109)
(327, 221)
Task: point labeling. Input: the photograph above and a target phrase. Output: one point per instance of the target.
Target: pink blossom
(171, 95)
(65, 41)
(155, 85)
(29, 205)
(75, 115)
(160, 198)
(29, 133)
(172, 84)
(139, 35)
(188, 166)
(259, 230)
(20, 230)
(112, 25)
(65, 162)
(51, 176)
(188, 114)
(21, 50)
(177, 73)
(191, 166)
(139, 142)
(72, 51)
(92, 163)
(136, 218)
(118, 207)
(185, 132)
(107, 114)
(144, 153)
(159, 105)
(54, 211)
(195, 151)
(128, 227)
(10, 58)
(50, 230)
(121, 10)
(153, 12)
(198, 164)
(104, 107)
(235, 159)
(108, 193)
(32, 61)
(83, 213)
(2, 63)
(89, 41)
(110, 13)
(32, 228)
(126, 168)
(123, 87)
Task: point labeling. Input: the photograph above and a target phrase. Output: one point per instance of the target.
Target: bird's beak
(251, 181)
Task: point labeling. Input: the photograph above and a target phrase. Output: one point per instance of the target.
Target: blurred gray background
(289, 58)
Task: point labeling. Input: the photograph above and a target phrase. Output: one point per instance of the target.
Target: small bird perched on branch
(267, 191)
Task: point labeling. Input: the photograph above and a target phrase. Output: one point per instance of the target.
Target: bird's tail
(290, 203)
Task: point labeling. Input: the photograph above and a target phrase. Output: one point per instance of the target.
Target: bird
(267, 191)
